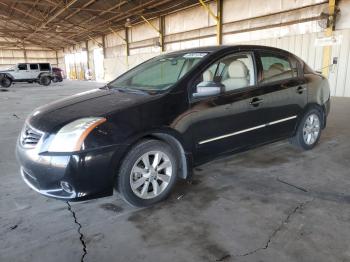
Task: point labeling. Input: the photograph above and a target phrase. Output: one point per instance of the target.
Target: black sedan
(153, 124)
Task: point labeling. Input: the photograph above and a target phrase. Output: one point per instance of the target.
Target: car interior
(275, 68)
(237, 71)
(234, 72)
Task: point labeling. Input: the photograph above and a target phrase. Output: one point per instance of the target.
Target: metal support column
(160, 30)
(87, 54)
(217, 17)
(56, 58)
(161, 33)
(219, 21)
(25, 55)
(327, 50)
(103, 46)
(125, 40)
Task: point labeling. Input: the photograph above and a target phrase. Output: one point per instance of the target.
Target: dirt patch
(111, 207)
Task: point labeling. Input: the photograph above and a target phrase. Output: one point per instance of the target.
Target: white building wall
(10, 57)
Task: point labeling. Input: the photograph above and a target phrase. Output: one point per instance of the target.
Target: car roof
(211, 49)
(208, 49)
(35, 63)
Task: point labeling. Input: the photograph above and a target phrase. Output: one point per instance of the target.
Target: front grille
(30, 137)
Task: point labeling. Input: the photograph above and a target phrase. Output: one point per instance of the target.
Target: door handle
(301, 89)
(256, 101)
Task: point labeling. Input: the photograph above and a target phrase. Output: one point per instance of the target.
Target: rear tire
(309, 130)
(6, 82)
(45, 80)
(148, 173)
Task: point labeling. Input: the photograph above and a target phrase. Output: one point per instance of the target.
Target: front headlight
(71, 137)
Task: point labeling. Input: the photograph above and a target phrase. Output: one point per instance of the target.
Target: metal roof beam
(137, 9)
(80, 8)
(54, 16)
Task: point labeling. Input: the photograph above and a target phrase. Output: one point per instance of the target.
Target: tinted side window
(233, 71)
(44, 67)
(34, 67)
(22, 67)
(276, 68)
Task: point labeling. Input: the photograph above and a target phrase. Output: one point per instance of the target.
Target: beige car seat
(274, 69)
(238, 76)
(207, 76)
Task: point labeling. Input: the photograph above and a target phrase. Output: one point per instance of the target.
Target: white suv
(27, 72)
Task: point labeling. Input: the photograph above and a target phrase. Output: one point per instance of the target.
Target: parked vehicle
(154, 123)
(27, 72)
(58, 74)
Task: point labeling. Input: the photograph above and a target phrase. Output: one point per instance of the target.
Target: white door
(33, 70)
(21, 72)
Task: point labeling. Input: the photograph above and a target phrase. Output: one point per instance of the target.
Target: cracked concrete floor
(274, 203)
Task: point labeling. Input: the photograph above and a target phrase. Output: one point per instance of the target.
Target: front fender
(3, 75)
(169, 136)
(45, 74)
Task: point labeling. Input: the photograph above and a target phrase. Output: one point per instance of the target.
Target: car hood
(7, 70)
(97, 102)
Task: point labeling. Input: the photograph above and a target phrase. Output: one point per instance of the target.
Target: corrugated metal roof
(54, 25)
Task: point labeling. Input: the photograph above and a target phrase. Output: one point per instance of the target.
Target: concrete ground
(274, 203)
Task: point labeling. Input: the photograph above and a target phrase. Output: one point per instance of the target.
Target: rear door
(34, 71)
(285, 92)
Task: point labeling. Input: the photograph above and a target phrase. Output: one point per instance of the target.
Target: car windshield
(158, 74)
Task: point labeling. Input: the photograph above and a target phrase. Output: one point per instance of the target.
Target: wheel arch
(6, 75)
(171, 138)
(45, 74)
(310, 106)
(184, 165)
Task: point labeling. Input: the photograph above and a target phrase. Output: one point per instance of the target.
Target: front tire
(309, 130)
(6, 82)
(148, 173)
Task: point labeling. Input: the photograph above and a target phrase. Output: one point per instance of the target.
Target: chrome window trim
(246, 130)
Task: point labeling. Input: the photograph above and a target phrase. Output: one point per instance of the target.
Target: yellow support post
(150, 24)
(219, 22)
(159, 31)
(327, 50)
(97, 42)
(217, 17)
(126, 43)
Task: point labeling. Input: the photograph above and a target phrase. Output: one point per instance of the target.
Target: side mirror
(204, 89)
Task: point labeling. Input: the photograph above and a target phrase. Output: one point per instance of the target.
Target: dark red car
(58, 74)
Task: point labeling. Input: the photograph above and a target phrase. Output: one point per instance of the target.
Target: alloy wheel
(151, 174)
(311, 129)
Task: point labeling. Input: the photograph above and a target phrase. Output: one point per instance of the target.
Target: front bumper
(73, 177)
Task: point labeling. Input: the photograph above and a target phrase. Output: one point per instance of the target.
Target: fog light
(67, 187)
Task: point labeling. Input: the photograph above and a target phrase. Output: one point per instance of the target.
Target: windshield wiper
(105, 87)
(129, 90)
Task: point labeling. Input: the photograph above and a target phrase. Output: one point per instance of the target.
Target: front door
(233, 119)
(21, 72)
